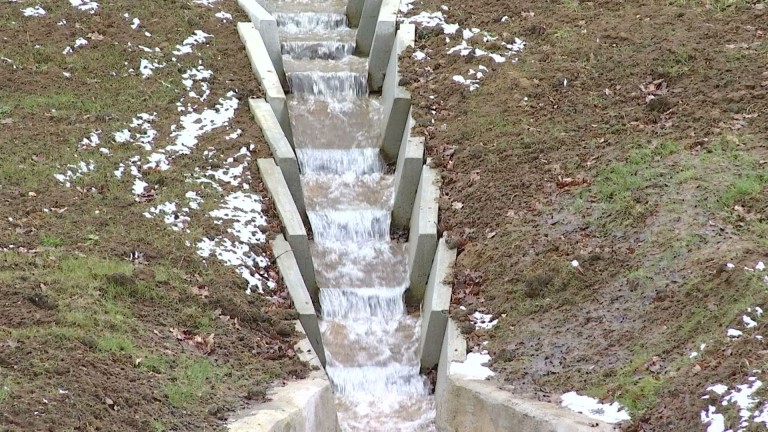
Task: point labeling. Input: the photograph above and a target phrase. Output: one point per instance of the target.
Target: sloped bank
(464, 402)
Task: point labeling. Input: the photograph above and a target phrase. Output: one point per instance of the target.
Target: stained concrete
(267, 75)
(303, 299)
(382, 43)
(281, 149)
(266, 24)
(396, 98)
(307, 405)
(422, 239)
(366, 28)
(354, 11)
(293, 227)
(466, 405)
(410, 160)
(436, 305)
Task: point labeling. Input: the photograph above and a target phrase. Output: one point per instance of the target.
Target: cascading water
(370, 339)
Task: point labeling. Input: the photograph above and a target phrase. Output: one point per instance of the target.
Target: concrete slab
(422, 239)
(307, 405)
(466, 405)
(266, 74)
(436, 305)
(410, 160)
(303, 300)
(281, 149)
(382, 43)
(354, 11)
(293, 227)
(396, 99)
(366, 28)
(266, 24)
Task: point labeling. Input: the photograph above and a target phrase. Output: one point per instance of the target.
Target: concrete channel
(460, 403)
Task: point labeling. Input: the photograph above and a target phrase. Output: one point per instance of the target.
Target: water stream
(370, 339)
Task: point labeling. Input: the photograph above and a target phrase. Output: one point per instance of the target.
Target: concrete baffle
(410, 160)
(396, 98)
(422, 239)
(436, 305)
(266, 25)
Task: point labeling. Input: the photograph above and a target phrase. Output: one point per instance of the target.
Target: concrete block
(267, 75)
(366, 28)
(307, 405)
(354, 11)
(422, 239)
(410, 160)
(266, 25)
(436, 305)
(293, 227)
(304, 301)
(466, 405)
(281, 149)
(383, 43)
(396, 99)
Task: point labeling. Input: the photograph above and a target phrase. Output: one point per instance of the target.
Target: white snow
(742, 397)
(418, 55)
(197, 37)
(760, 266)
(135, 23)
(472, 368)
(483, 321)
(733, 333)
(80, 42)
(591, 407)
(748, 322)
(35, 11)
(224, 15)
(147, 66)
(75, 171)
(91, 140)
(85, 5)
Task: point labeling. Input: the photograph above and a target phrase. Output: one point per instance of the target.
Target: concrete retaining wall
(281, 149)
(266, 24)
(422, 239)
(410, 160)
(354, 11)
(436, 305)
(300, 406)
(267, 75)
(303, 299)
(382, 43)
(396, 99)
(467, 405)
(366, 27)
(293, 227)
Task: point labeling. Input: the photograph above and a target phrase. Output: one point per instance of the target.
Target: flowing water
(370, 339)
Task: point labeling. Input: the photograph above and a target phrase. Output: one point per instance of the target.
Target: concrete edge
(366, 26)
(422, 238)
(436, 305)
(410, 160)
(304, 300)
(266, 24)
(266, 74)
(354, 10)
(293, 226)
(382, 43)
(493, 409)
(281, 150)
(307, 405)
(396, 99)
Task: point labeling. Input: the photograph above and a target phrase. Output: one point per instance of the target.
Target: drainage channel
(370, 340)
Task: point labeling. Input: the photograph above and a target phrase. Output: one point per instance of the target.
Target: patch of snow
(80, 42)
(193, 125)
(483, 321)
(91, 140)
(715, 422)
(591, 407)
(67, 50)
(135, 23)
(472, 368)
(224, 15)
(85, 5)
(760, 266)
(62, 22)
(234, 134)
(418, 55)
(742, 397)
(197, 37)
(75, 171)
(748, 322)
(34, 11)
(205, 2)
(733, 333)
(147, 66)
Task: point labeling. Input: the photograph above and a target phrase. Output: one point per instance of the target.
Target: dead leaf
(491, 234)
(110, 403)
(6, 121)
(137, 362)
(567, 182)
(201, 290)
(457, 205)
(95, 36)
(474, 175)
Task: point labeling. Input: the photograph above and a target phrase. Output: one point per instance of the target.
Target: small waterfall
(362, 303)
(327, 50)
(325, 84)
(403, 380)
(337, 161)
(350, 225)
(310, 22)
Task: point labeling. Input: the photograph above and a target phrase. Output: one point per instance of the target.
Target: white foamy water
(370, 340)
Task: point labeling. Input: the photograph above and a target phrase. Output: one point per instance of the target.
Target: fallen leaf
(6, 121)
(567, 182)
(110, 403)
(137, 362)
(201, 290)
(457, 205)
(491, 234)
(95, 36)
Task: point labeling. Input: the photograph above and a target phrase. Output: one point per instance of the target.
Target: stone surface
(422, 239)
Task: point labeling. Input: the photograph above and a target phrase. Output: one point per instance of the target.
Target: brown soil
(561, 157)
(90, 341)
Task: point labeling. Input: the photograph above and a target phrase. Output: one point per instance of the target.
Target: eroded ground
(125, 190)
(598, 189)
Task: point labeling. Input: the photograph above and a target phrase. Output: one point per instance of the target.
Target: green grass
(115, 343)
(5, 391)
(49, 240)
(192, 379)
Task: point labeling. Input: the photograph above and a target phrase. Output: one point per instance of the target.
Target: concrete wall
(281, 149)
(354, 11)
(410, 160)
(436, 305)
(369, 15)
(382, 43)
(466, 405)
(303, 300)
(267, 75)
(293, 227)
(422, 239)
(266, 24)
(396, 99)
(307, 405)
